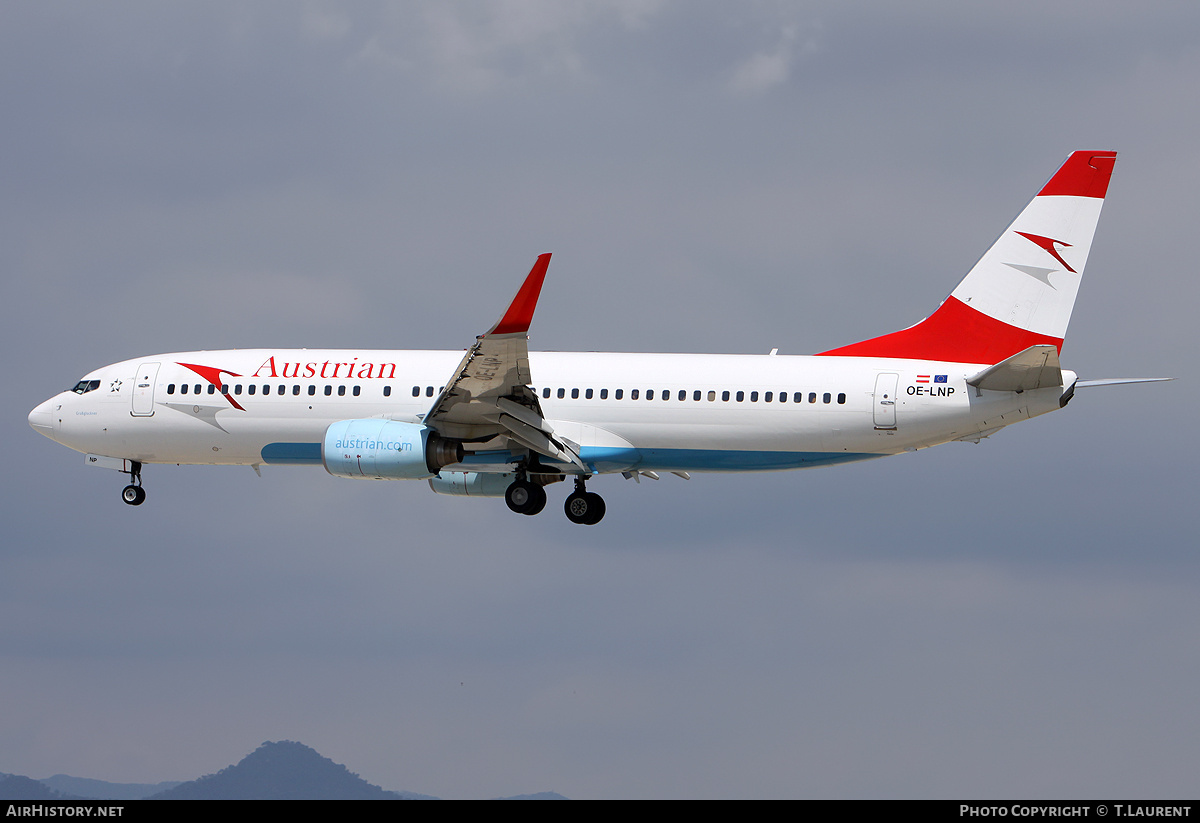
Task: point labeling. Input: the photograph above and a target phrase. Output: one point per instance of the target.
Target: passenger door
(143, 389)
(885, 400)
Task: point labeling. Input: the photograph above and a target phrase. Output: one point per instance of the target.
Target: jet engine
(471, 484)
(386, 450)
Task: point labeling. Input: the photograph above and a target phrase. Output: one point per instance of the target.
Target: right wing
(490, 396)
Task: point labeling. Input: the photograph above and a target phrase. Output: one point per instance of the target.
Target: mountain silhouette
(19, 787)
(285, 770)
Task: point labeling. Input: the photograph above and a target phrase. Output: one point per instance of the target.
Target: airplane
(501, 421)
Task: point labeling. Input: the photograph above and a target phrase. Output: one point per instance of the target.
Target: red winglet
(520, 312)
(1085, 174)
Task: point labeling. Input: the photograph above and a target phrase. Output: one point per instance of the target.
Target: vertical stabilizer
(1021, 292)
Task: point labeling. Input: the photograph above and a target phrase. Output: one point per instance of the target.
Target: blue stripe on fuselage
(604, 459)
(292, 454)
(713, 460)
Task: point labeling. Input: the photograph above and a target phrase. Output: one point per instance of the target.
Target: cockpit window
(85, 386)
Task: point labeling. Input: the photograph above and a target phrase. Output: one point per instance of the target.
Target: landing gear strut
(134, 494)
(584, 507)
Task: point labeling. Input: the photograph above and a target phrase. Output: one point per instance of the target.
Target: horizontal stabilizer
(1036, 367)
(1117, 381)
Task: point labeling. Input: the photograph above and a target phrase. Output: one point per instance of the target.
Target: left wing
(489, 395)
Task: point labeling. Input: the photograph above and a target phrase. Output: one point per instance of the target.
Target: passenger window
(767, 397)
(387, 391)
(562, 393)
(842, 398)
(328, 391)
(725, 395)
(753, 397)
(296, 389)
(312, 390)
(618, 394)
(212, 389)
(224, 388)
(812, 397)
(237, 388)
(588, 394)
(249, 389)
(712, 395)
(826, 397)
(695, 395)
(170, 388)
(341, 391)
(633, 394)
(546, 393)
(429, 391)
(574, 394)
(604, 394)
(282, 391)
(357, 389)
(798, 397)
(416, 391)
(741, 396)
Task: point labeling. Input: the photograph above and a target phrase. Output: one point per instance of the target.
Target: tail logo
(1048, 245)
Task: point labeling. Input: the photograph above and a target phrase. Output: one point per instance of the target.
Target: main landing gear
(583, 507)
(524, 497)
(134, 494)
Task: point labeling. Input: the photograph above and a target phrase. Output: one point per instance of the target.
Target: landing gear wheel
(539, 496)
(585, 508)
(524, 497)
(133, 495)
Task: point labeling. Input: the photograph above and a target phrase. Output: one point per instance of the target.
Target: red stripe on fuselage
(955, 333)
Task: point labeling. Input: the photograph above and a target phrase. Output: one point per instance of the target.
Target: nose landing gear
(134, 494)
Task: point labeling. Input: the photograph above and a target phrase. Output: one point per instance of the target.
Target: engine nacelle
(471, 484)
(386, 450)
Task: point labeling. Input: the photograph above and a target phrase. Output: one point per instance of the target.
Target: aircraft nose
(42, 418)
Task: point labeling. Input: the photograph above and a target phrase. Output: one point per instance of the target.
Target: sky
(1016, 618)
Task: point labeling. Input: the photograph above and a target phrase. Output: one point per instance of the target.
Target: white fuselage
(670, 412)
